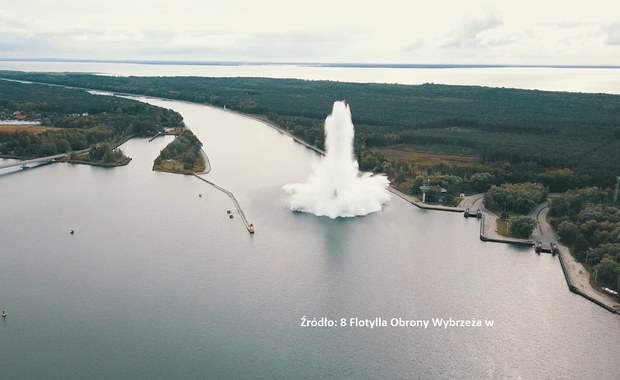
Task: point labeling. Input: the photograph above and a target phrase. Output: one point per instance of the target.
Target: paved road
(473, 202)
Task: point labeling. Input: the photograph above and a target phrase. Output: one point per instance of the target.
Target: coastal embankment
(577, 276)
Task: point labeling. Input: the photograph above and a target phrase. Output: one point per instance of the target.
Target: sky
(524, 32)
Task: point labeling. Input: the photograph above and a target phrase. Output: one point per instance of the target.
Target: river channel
(158, 281)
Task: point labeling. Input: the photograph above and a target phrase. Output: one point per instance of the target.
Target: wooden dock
(249, 226)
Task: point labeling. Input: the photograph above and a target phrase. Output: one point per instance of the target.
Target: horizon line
(309, 64)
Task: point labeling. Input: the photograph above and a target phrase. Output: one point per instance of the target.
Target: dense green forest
(589, 222)
(563, 140)
(73, 119)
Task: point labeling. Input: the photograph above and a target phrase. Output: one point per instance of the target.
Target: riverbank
(577, 276)
(277, 128)
(578, 280)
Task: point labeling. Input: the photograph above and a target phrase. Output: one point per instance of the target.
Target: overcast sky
(386, 31)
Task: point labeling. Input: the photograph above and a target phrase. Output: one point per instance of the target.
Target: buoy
(228, 211)
(3, 314)
(231, 216)
(71, 232)
(199, 195)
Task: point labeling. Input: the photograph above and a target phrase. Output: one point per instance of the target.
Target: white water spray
(336, 188)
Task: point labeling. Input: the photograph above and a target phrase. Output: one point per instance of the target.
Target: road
(472, 202)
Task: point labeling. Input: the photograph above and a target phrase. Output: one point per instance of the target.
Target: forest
(588, 220)
(73, 120)
(562, 140)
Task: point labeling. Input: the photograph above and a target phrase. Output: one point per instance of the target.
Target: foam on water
(336, 188)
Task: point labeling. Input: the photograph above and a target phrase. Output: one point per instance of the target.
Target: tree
(607, 271)
(480, 182)
(568, 232)
(98, 151)
(522, 226)
(519, 197)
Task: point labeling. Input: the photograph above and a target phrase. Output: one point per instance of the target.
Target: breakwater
(249, 226)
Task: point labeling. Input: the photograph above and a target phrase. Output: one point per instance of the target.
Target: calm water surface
(158, 282)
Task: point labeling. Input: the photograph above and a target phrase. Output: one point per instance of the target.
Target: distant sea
(590, 79)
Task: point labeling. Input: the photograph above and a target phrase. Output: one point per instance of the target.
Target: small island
(182, 156)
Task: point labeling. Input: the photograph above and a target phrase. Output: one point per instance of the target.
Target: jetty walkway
(41, 160)
(249, 226)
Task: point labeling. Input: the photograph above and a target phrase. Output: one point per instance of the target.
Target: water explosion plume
(336, 188)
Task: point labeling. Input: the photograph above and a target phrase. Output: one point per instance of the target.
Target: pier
(41, 160)
(249, 226)
(156, 136)
(422, 205)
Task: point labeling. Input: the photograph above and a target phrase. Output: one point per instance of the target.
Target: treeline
(79, 120)
(588, 221)
(51, 142)
(563, 140)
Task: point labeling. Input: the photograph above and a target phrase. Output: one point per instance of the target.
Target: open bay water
(575, 79)
(158, 282)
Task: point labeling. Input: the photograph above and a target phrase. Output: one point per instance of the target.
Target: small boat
(3, 315)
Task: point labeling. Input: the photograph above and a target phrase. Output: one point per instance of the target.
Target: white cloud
(612, 33)
(470, 30)
(399, 31)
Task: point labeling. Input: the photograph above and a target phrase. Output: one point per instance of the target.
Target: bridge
(24, 163)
